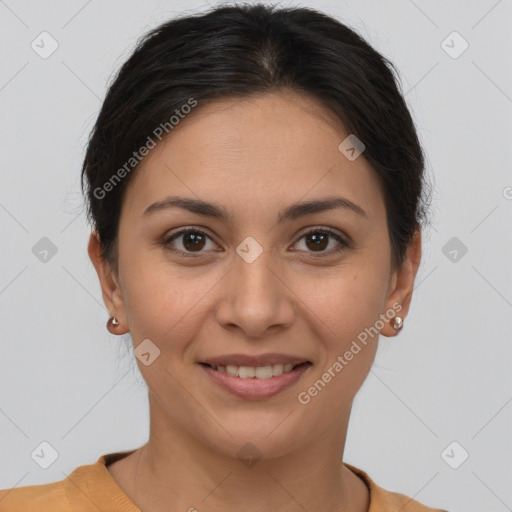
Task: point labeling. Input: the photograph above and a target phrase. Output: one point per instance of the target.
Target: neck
(176, 471)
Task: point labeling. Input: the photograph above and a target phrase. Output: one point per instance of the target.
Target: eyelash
(342, 243)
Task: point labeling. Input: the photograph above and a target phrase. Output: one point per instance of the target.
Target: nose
(255, 298)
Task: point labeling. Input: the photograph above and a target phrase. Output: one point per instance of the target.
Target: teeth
(245, 372)
(257, 372)
(277, 369)
(230, 369)
(263, 372)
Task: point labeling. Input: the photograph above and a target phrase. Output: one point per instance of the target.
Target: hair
(242, 50)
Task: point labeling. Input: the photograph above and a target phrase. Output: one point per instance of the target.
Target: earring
(398, 323)
(112, 322)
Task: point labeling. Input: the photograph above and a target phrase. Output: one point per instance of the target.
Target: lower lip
(253, 388)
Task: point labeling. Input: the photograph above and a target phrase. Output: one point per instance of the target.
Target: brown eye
(190, 241)
(317, 241)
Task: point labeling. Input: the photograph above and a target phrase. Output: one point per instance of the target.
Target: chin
(262, 440)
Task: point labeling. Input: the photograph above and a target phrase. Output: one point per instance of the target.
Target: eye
(191, 241)
(318, 239)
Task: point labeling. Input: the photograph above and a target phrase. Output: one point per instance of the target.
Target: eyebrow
(292, 212)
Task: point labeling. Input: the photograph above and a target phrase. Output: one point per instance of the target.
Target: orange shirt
(92, 488)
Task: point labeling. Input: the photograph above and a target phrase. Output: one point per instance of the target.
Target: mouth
(257, 372)
(255, 382)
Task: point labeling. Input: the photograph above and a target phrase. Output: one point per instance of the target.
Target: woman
(255, 184)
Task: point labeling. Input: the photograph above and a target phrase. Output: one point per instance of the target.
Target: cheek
(344, 303)
(166, 305)
(345, 310)
(347, 314)
(360, 302)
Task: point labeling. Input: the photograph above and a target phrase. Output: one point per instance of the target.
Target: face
(259, 278)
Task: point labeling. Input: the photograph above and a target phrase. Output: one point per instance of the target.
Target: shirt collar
(99, 487)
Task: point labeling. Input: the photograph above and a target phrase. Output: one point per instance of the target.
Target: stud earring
(112, 322)
(398, 323)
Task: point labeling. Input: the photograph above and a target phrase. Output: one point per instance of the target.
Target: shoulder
(396, 501)
(76, 492)
(382, 500)
(50, 497)
(88, 487)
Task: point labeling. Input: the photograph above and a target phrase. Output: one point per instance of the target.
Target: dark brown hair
(236, 51)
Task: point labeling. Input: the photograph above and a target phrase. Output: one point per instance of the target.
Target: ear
(111, 291)
(402, 283)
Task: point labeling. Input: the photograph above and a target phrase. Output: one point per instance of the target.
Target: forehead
(256, 152)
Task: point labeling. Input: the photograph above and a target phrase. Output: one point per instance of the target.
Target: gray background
(65, 380)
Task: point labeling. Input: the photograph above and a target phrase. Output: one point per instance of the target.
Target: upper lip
(259, 360)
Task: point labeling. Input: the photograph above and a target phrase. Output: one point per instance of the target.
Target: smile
(256, 372)
(255, 382)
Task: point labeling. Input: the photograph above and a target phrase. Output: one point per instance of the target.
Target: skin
(254, 157)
